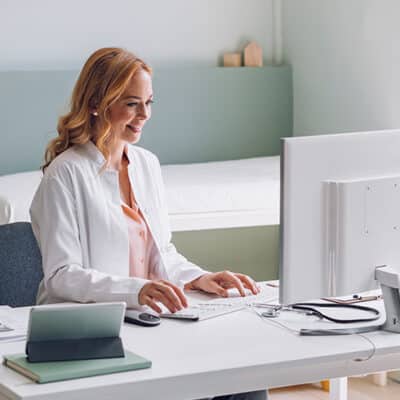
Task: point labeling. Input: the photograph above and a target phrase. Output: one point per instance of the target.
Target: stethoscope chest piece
(271, 313)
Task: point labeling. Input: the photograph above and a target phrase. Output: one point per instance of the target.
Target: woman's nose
(143, 112)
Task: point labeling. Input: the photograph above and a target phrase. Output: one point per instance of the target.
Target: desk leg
(379, 379)
(338, 389)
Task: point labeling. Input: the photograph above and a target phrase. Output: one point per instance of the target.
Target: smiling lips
(136, 129)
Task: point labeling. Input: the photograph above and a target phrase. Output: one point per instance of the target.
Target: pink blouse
(140, 238)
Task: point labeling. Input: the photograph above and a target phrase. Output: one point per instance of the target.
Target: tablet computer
(75, 331)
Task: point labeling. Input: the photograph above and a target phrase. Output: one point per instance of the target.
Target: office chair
(20, 265)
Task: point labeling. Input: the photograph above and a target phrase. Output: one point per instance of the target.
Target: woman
(99, 214)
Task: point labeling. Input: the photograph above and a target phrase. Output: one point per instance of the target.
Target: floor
(359, 389)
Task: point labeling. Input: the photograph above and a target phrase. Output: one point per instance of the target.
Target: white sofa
(212, 195)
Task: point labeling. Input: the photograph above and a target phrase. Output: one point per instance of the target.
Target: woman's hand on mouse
(220, 282)
(170, 295)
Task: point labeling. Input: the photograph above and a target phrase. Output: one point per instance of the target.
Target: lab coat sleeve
(66, 278)
(179, 270)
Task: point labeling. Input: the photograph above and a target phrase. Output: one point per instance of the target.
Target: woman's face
(131, 111)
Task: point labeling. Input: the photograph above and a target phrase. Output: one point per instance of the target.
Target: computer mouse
(142, 318)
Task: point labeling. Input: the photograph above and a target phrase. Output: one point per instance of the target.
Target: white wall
(47, 34)
(346, 64)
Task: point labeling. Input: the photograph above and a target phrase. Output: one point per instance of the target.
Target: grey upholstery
(20, 265)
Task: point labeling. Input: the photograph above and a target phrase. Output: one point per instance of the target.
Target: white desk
(233, 353)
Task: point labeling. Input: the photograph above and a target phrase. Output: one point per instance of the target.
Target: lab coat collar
(130, 154)
(94, 153)
(97, 156)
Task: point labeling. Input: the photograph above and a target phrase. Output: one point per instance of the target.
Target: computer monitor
(340, 213)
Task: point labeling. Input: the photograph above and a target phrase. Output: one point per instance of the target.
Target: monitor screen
(340, 213)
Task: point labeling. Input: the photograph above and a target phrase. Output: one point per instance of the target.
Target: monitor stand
(389, 280)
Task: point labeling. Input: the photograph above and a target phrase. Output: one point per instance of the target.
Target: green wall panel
(200, 114)
(251, 250)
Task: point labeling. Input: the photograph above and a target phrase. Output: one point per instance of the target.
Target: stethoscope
(309, 309)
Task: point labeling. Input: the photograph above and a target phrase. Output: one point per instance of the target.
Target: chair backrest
(20, 265)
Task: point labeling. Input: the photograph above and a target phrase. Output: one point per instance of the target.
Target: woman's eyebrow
(136, 97)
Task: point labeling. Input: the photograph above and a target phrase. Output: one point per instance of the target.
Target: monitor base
(389, 280)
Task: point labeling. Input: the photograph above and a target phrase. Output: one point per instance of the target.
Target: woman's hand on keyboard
(170, 295)
(220, 282)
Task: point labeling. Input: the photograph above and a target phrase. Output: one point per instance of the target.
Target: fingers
(152, 304)
(248, 283)
(219, 282)
(214, 287)
(164, 292)
(178, 291)
(233, 281)
(173, 298)
(227, 279)
(167, 294)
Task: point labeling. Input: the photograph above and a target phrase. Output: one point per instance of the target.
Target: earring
(95, 113)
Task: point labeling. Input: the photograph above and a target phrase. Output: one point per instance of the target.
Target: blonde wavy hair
(103, 79)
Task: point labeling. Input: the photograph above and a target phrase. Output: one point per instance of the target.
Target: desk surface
(233, 353)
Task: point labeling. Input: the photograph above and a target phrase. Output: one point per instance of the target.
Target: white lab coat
(82, 233)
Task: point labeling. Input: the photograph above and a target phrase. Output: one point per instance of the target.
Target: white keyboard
(235, 299)
(219, 306)
(200, 312)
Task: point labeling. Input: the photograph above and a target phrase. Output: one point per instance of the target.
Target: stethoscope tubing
(310, 308)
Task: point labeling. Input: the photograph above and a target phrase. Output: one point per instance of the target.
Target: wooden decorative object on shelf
(325, 385)
(232, 60)
(253, 55)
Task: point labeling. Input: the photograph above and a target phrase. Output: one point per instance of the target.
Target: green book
(43, 372)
